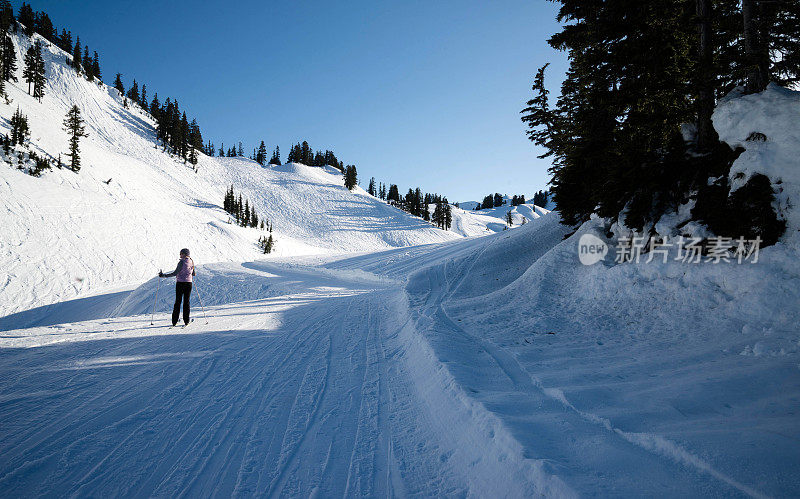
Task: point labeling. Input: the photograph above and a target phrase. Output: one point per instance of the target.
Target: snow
(375, 355)
(775, 113)
(469, 222)
(100, 236)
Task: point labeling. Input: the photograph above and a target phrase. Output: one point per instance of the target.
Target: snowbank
(774, 113)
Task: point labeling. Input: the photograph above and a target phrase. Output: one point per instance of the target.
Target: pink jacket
(184, 271)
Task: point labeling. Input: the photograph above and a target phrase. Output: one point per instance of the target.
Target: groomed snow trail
(314, 391)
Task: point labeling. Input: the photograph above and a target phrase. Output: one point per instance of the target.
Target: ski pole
(201, 301)
(154, 302)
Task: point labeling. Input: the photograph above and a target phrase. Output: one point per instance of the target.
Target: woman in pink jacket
(183, 288)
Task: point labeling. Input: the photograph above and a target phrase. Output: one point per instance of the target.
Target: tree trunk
(706, 136)
(756, 68)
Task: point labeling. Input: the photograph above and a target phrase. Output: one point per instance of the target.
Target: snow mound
(775, 114)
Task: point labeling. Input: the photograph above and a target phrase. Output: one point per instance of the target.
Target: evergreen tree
(350, 177)
(394, 194)
(261, 154)
(77, 62)
(118, 84)
(19, 128)
(44, 26)
(371, 189)
(155, 107)
(74, 126)
(625, 94)
(8, 63)
(65, 41)
(96, 67)
(269, 245)
(509, 218)
(29, 71)
(26, 17)
(6, 16)
(276, 157)
(86, 60)
(226, 202)
(143, 96)
(133, 92)
(39, 77)
(183, 137)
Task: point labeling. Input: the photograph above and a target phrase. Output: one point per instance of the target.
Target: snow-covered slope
(66, 234)
(482, 222)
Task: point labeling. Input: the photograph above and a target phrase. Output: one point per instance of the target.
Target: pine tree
(29, 71)
(371, 189)
(253, 217)
(76, 55)
(509, 218)
(617, 119)
(86, 60)
(350, 177)
(498, 200)
(143, 96)
(96, 67)
(65, 41)
(118, 84)
(276, 156)
(261, 154)
(44, 26)
(269, 244)
(6, 16)
(133, 92)
(19, 128)
(8, 64)
(27, 18)
(74, 126)
(394, 194)
(39, 77)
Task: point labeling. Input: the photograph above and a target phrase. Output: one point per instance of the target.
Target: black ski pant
(182, 292)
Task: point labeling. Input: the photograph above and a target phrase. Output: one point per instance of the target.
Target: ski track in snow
(310, 391)
(323, 379)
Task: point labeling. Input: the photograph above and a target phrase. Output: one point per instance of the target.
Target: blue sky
(418, 93)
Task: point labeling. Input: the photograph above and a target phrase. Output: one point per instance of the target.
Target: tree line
(495, 200)
(637, 72)
(245, 215)
(415, 202)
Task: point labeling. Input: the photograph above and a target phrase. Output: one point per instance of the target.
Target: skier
(183, 288)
